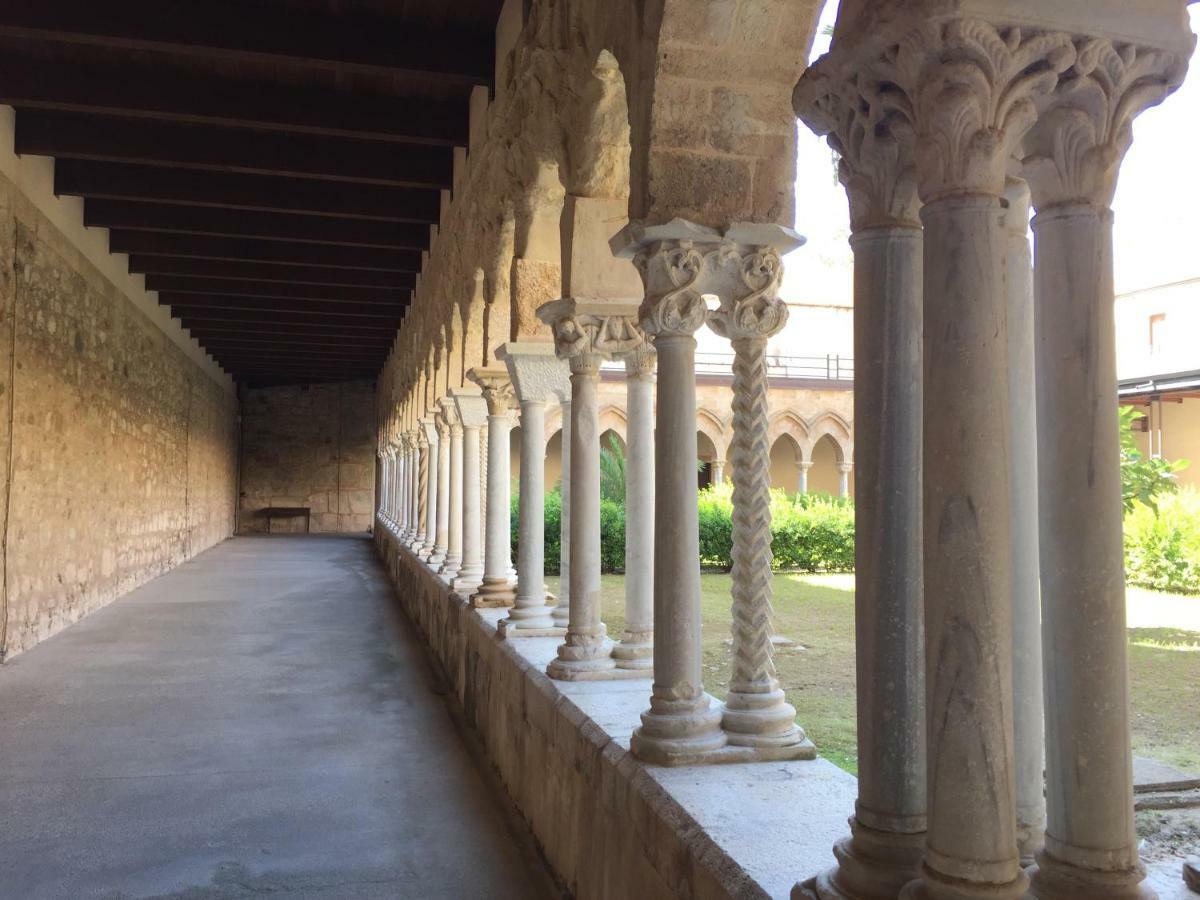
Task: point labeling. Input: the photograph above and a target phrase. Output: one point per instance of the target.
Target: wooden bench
(287, 512)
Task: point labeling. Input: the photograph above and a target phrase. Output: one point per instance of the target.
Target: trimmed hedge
(809, 532)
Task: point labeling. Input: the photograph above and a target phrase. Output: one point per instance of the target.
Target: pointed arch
(830, 424)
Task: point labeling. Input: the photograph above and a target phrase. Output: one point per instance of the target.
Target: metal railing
(830, 367)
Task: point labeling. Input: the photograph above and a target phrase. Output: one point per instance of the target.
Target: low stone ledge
(609, 825)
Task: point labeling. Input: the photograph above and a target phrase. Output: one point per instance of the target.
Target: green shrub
(612, 536)
(552, 534)
(1162, 548)
(716, 526)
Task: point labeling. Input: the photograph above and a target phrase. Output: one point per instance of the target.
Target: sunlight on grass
(816, 612)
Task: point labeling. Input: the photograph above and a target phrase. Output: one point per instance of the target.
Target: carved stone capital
(681, 262)
(430, 429)
(497, 389)
(588, 332)
(640, 362)
(970, 89)
(751, 310)
(450, 415)
(1085, 126)
(536, 372)
(868, 123)
(471, 407)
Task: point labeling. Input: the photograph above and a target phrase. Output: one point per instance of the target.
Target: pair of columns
(932, 117)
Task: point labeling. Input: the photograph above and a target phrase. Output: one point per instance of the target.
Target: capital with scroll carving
(587, 332)
(497, 388)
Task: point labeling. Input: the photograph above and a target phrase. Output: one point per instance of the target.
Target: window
(1158, 331)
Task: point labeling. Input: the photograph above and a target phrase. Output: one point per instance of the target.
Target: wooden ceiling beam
(220, 271)
(200, 147)
(200, 247)
(228, 31)
(186, 285)
(173, 95)
(200, 305)
(232, 190)
(193, 315)
(270, 227)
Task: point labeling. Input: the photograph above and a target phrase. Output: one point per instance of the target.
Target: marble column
(404, 519)
(964, 78)
(498, 587)
(398, 488)
(385, 484)
(562, 609)
(887, 832)
(442, 532)
(421, 482)
(718, 471)
(757, 714)
(802, 480)
(1028, 731)
(844, 470)
(683, 723)
(454, 535)
(585, 334)
(1071, 162)
(635, 650)
(429, 426)
(472, 412)
(536, 375)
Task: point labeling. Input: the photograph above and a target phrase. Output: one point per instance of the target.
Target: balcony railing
(816, 368)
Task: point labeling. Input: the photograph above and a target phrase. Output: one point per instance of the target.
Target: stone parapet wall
(310, 446)
(609, 826)
(118, 450)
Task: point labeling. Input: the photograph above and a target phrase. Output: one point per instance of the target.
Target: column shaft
(530, 612)
(431, 495)
(888, 829)
(682, 722)
(1091, 846)
(454, 542)
(470, 573)
(635, 649)
(1028, 731)
(497, 588)
(562, 610)
(442, 532)
(585, 648)
(971, 843)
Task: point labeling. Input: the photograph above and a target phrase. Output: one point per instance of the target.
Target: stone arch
(612, 418)
(792, 428)
(536, 268)
(830, 424)
(711, 426)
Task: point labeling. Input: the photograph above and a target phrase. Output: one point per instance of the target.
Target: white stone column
(472, 411)
(635, 650)
(844, 470)
(683, 723)
(385, 483)
(442, 533)
(414, 501)
(398, 488)
(454, 537)
(586, 333)
(429, 427)
(1028, 731)
(1072, 158)
(421, 483)
(404, 519)
(718, 471)
(562, 610)
(802, 479)
(887, 832)
(968, 81)
(498, 587)
(747, 277)
(536, 375)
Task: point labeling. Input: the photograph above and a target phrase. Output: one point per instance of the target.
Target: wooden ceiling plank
(231, 190)
(186, 285)
(221, 270)
(198, 147)
(199, 247)
(174, 95)
(296, 38)
(269, 227)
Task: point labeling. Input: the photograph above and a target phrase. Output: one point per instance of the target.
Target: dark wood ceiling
(271, 166)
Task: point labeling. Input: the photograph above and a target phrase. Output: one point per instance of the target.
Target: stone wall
(117, 450)
(313, 446)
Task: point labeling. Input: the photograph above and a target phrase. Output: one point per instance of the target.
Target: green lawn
(817, 612)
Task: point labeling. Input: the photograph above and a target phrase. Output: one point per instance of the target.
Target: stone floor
(257, 721)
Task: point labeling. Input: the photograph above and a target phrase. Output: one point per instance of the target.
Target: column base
(436, 559)
(449, 568)
(930, 885)
(494, 593)
(679, 732)
(561, 614)
(765, 722)
(467, 581)
(1053, 879)
(506, 628)
(872, 865)
(635, 650)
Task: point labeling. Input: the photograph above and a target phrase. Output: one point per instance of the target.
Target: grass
(817, 612)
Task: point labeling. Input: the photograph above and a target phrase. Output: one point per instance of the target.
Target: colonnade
(975, 577)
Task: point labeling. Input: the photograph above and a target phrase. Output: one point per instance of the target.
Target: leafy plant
(1162, 545)
(612, 471)
(1143, 480)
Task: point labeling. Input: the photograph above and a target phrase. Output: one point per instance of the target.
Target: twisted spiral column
(422, 488)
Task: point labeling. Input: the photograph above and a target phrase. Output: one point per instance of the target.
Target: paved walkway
(257, 722)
